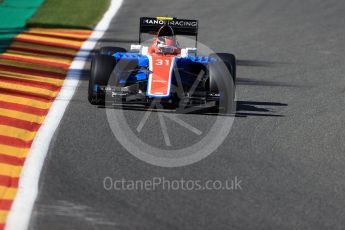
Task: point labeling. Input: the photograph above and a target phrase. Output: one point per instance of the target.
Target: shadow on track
(255, 108)
(244, 109)
(252, 82)
(256, 63)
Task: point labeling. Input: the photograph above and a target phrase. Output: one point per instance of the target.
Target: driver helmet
(166, 40)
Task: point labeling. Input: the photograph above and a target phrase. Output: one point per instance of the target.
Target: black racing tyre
(222, 73)
(230, 62)
(108, 50)
(101, 68)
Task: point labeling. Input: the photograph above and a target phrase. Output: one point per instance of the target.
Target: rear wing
(180, 26)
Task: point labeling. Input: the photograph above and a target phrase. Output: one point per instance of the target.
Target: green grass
(83, 14)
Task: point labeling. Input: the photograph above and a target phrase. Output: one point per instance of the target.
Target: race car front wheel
(222, 78)
(229, 60)
(101, 68)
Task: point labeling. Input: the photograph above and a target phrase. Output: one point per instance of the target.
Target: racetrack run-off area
(33, 66)
(32, 71)
(69, 14)
(14, 14)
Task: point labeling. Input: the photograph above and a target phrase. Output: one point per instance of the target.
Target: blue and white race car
(163, 71)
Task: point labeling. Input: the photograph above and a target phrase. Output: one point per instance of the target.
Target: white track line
(20, 213)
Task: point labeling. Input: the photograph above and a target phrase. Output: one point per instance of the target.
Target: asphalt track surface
(286, 144)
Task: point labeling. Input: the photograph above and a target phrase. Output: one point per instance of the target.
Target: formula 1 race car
(163, 71)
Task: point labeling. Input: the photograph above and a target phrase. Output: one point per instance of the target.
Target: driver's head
(166, 40)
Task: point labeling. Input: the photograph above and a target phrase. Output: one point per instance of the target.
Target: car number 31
(162, 62)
